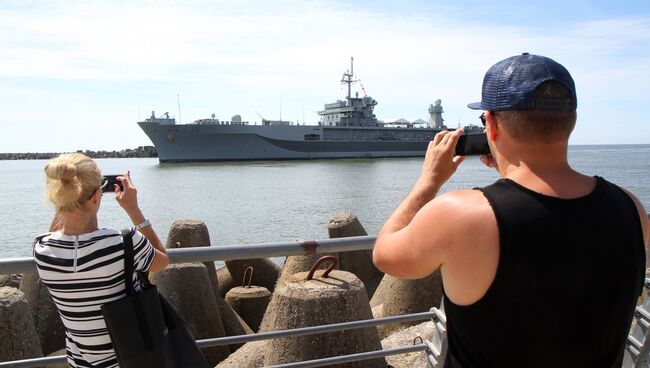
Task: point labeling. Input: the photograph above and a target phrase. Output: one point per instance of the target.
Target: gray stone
(11, 280)
(251, 355)
(225, 281)
(47, 320)
(298, 302)
(192, 233)
(18, 337)
(265, 272)
(233, 324)
(417, 359)
(187, 288)
(57, 353)
(399, 297)
(358, 262)
(295, 264)
(250, 303)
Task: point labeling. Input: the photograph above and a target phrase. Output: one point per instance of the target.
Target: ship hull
(215, 142)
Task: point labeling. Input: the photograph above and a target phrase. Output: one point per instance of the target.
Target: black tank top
(567, 282)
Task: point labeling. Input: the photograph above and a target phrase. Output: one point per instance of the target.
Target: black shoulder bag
(145, 329)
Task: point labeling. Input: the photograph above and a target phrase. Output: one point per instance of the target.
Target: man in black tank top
(540, 269)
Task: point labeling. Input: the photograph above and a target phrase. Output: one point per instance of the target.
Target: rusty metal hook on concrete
(250, 278)
(416, 339)
(321, 260)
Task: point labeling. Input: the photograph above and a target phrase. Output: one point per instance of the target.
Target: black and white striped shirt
(83, 272)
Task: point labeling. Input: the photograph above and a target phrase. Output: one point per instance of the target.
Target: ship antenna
(347, 79)
(178, 97)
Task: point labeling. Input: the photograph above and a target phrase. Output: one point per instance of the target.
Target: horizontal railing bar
(39, 362)
(17, 265)
(352, 357)
(313, 329)
(35, 362)
(230, 252)
(265, 250)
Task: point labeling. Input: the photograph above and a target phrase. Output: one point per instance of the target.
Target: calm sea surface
(266, 201)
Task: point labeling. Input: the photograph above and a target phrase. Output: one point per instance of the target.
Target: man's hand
(489, 161)
(440, 161)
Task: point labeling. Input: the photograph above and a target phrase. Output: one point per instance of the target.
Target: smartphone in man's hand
(472, 144)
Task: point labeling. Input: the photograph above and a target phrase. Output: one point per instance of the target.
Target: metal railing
(230, 252)
(434, 315)
(263, 250)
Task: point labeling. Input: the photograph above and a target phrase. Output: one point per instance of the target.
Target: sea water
(264, 201)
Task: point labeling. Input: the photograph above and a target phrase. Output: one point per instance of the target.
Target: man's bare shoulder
(462, 203)
(455, 212)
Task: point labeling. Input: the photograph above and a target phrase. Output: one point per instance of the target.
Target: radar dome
(236, 119)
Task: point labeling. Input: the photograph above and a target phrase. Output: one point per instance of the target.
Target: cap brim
(475, 106)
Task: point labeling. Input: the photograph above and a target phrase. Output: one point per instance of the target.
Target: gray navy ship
(347, 129)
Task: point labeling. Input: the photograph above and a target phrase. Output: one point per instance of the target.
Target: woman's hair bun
(61, 170)
(70, 179)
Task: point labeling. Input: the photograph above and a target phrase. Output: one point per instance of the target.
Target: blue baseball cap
(510, 85)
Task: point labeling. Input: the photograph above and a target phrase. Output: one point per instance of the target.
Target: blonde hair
(71, 178)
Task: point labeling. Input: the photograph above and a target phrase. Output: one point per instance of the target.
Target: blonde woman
(82, 264)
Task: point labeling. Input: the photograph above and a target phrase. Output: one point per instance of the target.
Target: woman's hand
(127, 198)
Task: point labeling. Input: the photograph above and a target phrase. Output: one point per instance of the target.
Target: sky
(77, 75)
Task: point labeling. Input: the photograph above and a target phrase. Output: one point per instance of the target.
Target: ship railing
(434, 349)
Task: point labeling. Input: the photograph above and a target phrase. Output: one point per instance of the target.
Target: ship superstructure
(354, 111)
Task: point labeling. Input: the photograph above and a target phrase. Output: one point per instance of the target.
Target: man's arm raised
(399, 248)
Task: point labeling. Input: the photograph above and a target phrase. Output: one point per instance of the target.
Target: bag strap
(36, 241)
(128, 262)
(129, 268)
(129, 265)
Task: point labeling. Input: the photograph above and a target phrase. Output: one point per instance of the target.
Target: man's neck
(544, 168)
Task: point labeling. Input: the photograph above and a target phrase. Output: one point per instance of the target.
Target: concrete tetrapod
(12, 280)
(186, 287)
(396, 297)
(295, 264)
(225, 281)
(233, 324)
(251, 355)
(248, 301)
(50, 329)
(192, 233)
(58, 353)
(18, 337)
(358, 262)
(323, 299)
(266, 272)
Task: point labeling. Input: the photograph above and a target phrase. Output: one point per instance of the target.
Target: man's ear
(492, 127)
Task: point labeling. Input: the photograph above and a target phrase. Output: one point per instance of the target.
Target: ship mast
(347, 78)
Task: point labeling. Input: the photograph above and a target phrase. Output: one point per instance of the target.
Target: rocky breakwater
(140, 152)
